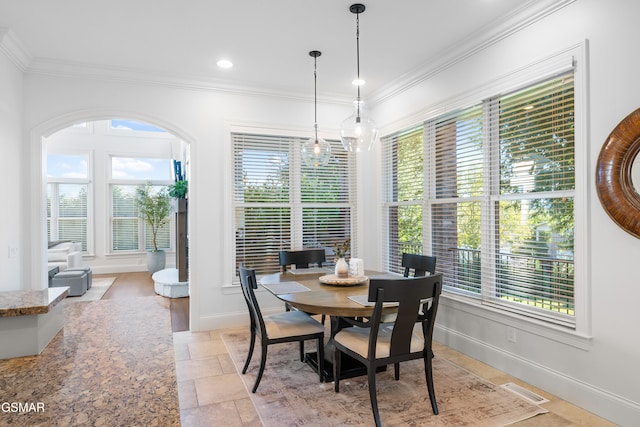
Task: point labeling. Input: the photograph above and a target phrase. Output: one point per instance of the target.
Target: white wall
(599, 371)
(12, 159)
(201, 118)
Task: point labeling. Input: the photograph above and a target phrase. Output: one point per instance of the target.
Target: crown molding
(14, 49)
(527, 14)
(70, 69)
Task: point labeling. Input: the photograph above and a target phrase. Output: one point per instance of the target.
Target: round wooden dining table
(331, 300)
(328, 299)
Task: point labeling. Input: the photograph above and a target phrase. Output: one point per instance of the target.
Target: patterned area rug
(99, 287)
(112, 365)
(290, 393)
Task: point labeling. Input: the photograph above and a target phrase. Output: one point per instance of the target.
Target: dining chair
(290, 326)
(302, 258)
(421, 264)
(376, 344)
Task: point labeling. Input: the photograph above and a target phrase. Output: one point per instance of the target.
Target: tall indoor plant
(154, 207)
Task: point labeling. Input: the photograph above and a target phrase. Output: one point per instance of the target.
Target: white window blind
(534, 259)
(68, 195)
(498, 197)
(128, 231)
(456, 202)
(280, 203)
(67, 213)
(403, 161)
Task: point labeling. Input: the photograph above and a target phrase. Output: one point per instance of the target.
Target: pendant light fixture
(358, 132)
(315, 151)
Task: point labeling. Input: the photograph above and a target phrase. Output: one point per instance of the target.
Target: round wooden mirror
(614, 174)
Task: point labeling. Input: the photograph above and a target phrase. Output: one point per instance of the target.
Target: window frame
(295, 204)
(88, 181)
(570, 58)
(142, 226)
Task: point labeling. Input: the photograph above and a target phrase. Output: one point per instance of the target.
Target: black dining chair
(420, 264)
(302, 258)
(290, 326)
(375, 344)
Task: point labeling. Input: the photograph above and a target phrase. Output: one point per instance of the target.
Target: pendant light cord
(358, 62)
(315, 95)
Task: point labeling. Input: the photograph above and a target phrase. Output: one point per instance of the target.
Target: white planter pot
(156, 261)
(342, 268)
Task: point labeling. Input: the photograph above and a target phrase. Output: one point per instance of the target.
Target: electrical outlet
(13, 252)
(511, 334)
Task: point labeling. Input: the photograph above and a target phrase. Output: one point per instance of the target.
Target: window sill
(532, 326)
(126, 254)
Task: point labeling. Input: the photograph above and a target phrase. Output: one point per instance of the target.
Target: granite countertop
(25, 303)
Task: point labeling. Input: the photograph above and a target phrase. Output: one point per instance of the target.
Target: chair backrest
(416, 297)
(302, 258)
(421, 264)
(248, 283)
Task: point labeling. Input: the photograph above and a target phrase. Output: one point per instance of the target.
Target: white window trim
(232, 282)
(90, 252)
(573, 56)
(108, 203)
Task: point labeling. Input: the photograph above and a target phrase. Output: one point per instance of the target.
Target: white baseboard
(122, 268)
(593, 399)
(231, 320)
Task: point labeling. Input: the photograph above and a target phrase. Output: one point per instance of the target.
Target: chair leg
(321, 358)
(429, 376)
(302, 351)
(336, 370)
(396, 368)
(251, 347)
(371, 374)
(263, 362)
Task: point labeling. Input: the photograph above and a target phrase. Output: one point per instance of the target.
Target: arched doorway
(104, 149)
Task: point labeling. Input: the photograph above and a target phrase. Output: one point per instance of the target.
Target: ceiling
(268, 41)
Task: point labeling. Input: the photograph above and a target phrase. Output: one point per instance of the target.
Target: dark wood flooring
(140, 284)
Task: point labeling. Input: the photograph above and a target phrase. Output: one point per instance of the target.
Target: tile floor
(211, 392)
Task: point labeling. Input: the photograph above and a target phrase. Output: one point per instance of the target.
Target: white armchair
(65, 255)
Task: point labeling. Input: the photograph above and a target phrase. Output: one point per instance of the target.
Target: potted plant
(340, 250)
(154, 207)
(178, 189)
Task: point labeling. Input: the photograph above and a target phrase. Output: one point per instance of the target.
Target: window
(131, 125)
(67, 198)
(404, 188)
(497, 204)
(280, 203)
(128, 231)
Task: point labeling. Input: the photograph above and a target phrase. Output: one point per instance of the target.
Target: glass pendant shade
(358, 132)
(316, 151)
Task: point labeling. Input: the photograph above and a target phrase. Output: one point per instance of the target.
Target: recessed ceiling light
(224, 63)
